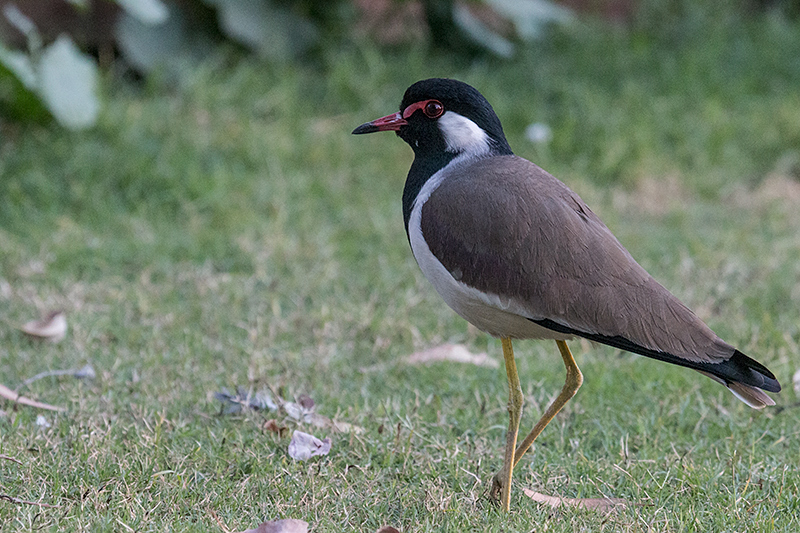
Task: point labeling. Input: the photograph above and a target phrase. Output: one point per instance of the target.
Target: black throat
(428, 164)
(421, 171)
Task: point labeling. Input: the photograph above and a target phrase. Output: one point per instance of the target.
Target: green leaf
(68, 84)
(149, 46)
(24, 25)
(531, 16)
(274, 32)
(19, 20)
(150, 12)
(480, 33)
(18, 101)
(19, 64)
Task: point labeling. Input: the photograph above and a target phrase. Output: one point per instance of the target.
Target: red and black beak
(391, 122)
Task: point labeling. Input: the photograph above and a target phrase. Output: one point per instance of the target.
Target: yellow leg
(501, 486)
(571, 386)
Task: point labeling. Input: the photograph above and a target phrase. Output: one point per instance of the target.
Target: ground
(230, 232)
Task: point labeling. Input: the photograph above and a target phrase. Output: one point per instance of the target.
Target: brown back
(514, 230)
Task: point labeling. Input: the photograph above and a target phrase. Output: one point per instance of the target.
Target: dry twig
(26, 502)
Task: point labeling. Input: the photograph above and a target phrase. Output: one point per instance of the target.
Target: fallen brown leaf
(601, 504)
(388, 529)
(307, 415)
(273, 426)
(10, 395)
(305, 446)
(305, 401)
(52, 327)
(456, 353)
(288, 525)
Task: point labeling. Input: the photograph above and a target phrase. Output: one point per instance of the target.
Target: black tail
(738, 369)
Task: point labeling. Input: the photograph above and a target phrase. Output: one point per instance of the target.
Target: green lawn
(231, 232)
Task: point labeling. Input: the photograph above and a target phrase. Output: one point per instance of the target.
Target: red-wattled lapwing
(519, 255)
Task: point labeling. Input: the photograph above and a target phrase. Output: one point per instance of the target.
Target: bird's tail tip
(752, 396)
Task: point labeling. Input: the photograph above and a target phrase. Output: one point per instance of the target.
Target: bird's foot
(496, 492)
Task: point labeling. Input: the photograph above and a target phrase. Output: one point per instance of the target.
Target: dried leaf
(9, 394)
(296, 412)
(305, 401)
(52, 327)
(305, 446)
(388, 529)
(244, 399)
(601, 504)
(299, 413)
(289, 525)
(272, 425)
(456, 353)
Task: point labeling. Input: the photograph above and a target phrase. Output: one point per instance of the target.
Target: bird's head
(440, 115)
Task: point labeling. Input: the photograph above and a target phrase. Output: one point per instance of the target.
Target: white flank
(496, 315)
(462, 135)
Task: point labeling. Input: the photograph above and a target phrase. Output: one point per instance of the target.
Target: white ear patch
(462, 135)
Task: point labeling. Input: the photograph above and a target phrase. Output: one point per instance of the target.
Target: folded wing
(511, 229)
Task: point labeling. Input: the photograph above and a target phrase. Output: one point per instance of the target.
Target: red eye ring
(433, 109)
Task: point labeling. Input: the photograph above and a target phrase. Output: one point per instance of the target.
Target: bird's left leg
(501, 484)
(571, 386)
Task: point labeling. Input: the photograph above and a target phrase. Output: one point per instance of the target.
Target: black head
(440, 115)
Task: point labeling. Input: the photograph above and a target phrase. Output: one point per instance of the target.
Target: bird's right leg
(501, 484)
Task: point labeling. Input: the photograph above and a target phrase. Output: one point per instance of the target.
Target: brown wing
(514, 230)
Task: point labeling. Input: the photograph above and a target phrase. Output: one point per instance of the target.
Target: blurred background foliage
(52, 50)
(702, 94)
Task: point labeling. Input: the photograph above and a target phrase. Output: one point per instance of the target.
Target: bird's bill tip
(392, 122)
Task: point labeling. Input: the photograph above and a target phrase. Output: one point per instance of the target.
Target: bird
(519, 255)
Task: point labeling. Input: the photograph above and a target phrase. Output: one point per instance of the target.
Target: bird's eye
(433, 109)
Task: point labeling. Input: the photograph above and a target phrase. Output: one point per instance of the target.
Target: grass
(231, 232)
